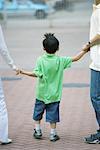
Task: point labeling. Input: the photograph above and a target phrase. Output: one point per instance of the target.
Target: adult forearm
(95, 40)
(4, 51)
(5, 54)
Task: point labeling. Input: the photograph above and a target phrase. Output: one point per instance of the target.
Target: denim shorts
(52, 111)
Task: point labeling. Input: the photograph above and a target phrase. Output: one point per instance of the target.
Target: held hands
(86, 48)
(18, 72)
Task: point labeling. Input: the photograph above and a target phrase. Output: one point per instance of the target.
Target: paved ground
(24, 39)
(77, 117)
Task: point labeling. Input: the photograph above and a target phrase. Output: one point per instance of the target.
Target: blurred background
(41, 9)
(24, 23)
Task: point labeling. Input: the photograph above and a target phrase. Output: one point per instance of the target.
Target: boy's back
(50, 67)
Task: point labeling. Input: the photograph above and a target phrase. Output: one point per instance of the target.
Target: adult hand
(86, 48)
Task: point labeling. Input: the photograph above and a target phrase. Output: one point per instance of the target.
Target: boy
(49, 70)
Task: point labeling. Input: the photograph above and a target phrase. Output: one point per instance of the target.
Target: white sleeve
(4, 51)
(98, 21)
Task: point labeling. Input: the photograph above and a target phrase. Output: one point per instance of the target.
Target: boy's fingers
(18, 72)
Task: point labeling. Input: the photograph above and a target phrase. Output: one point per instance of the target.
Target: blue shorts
(52, 111)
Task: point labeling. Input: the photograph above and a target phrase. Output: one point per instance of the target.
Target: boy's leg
(37, 116)
(52, 116)
(53, 128)
(53, 133)
(37, 130)
(37, 125)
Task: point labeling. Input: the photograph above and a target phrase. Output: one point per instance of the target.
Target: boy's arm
(27, 73)
(79, 56)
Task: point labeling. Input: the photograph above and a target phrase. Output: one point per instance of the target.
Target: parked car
(40, 10)
(1, 4)
(59, 4)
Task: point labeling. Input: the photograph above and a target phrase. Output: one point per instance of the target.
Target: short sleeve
(67, 61)
(37, 70)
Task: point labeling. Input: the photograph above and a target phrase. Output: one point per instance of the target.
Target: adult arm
(95, 40)
(5, 53)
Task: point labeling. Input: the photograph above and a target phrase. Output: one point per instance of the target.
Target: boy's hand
(18, 72)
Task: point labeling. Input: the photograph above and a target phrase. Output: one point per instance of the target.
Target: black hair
(50, 43)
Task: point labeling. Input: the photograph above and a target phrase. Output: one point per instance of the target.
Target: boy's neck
(50, 54)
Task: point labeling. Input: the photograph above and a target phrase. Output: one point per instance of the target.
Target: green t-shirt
(49, 68)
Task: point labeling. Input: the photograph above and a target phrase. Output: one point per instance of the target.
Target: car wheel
(40, 14)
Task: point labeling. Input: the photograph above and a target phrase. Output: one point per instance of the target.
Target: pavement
(76, 113)
(24, 40)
